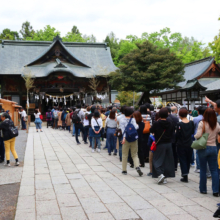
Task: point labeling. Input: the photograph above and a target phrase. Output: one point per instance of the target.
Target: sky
(197, 18)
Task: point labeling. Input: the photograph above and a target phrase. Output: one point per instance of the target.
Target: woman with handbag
(9, 133)
(163, 161)
(111, 125)
(208, 126)
(37, 121)
(184, 132)
(146, 115)
(95, 132)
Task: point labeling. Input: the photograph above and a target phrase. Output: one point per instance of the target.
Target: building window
(194, 94)
(179, 94)
(188, 95)
(164, 97)
(184, 94)
(168, 96)
(174, 95)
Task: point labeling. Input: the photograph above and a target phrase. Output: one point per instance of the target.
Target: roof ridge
(48, 42)
(199, 61)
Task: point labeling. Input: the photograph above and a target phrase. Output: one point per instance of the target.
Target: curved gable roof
(14, 55)
(71, 58)
(195, 69)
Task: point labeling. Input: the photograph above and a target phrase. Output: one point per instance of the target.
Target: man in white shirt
(23, 117)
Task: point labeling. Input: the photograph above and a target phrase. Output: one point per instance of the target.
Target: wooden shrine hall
(201, 78)
(63, 72)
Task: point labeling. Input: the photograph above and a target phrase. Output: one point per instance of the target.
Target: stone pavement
(10, 178)
(62, 180)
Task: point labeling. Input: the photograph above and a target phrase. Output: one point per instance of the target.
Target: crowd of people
(163, 138)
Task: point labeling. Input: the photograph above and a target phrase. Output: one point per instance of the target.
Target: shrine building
(63, 72)
(201, 78)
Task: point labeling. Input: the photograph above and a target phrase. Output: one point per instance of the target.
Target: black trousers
(175, 156)
(145, 148)
(86, 132)
(77, 127)
(2, 149)
(185, 156)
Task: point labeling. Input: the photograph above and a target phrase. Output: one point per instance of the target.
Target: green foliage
(148, 68)
(126, 97)
(7, 34)
(47, 34)
(112, 42)
(187, 49)
(215, 46)
(75, 30)
(73, 37)
(26, 30)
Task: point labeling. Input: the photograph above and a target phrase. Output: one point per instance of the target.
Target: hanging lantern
(50, 97)
(47, 100)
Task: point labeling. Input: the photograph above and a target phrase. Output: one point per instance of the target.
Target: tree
(47, 34)
(71, 37)
(215, 46)
(93, 84)
(75, 30)
(148, 69)
(26, 30)
(89, 38)
(7, 34)
(126, 97)
(112, 42)
(29, 83)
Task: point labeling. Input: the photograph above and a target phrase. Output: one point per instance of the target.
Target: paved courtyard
(62, 180)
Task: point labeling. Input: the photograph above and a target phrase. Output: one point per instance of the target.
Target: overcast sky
(197, 18)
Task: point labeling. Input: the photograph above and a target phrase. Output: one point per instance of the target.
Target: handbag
(93, 134)
(118, 132)
(154, 144)
(201, 143)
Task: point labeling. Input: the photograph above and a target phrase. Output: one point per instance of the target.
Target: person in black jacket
(163, 163)
(184, 132)
(174, 120)
(8, 140)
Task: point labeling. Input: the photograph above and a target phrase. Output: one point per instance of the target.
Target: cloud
(197, 18)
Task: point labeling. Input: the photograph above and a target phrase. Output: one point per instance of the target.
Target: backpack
(146, 126)
(12, 130)
(131, 132)
(75, 117)
(55, 113)
(48, 115)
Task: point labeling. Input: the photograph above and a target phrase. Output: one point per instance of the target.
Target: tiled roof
(195, 69)
(14, 55)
